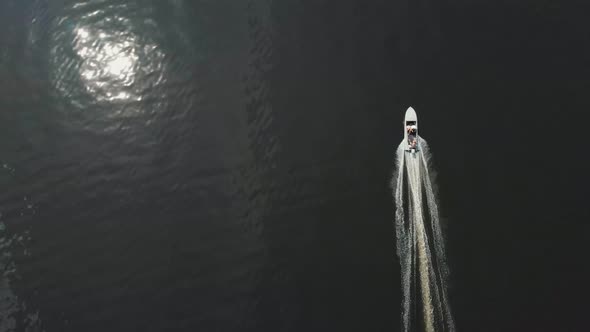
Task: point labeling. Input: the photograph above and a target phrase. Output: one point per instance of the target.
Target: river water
(165, 167)
(224, 165)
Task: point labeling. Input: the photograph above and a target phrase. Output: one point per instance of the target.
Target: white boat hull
(411, 137)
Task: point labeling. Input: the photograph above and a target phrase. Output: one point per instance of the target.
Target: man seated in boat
(412, 136)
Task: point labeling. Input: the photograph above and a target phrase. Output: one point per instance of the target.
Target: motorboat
(411, 131)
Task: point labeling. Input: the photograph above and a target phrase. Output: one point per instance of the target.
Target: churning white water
(420, 244)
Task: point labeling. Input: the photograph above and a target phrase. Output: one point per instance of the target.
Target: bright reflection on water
(107, 58)
(107, 61)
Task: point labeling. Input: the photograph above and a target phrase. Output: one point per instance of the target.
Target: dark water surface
(224, 165)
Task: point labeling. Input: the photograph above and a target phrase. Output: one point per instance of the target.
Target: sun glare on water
(109, 63)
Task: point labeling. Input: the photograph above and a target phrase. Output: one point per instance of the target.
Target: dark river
(224, 165)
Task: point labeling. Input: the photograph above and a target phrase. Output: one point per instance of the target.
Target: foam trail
(425, 305)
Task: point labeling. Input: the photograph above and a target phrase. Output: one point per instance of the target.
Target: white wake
(420, 244)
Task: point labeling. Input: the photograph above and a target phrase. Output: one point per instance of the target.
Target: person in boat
(412, 136)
